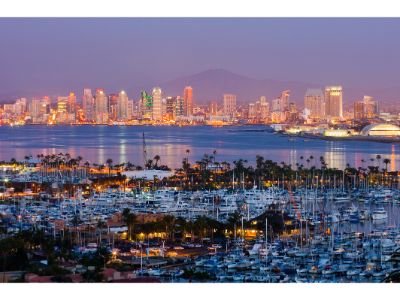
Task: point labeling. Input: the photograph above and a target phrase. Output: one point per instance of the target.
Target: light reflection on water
(124, 143)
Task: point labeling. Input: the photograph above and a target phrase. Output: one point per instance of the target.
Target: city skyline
(49, 56)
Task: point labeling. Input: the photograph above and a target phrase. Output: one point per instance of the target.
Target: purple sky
(54, 56)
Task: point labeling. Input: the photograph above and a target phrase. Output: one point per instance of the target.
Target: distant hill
(212, 84)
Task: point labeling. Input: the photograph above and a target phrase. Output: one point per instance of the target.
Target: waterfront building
(366, 108)
(101, 107)
(131, 109)
(314, 102)
(62, 104)
(229, 105)
(112, 106)
(179, 107)
(213, 108)
(20, 106)
(381, 130)
(284, 103)
(188, 98)
(170, 108)
(338, 133)
(252, 111)
(122, 106)
(276, 104)
(88, 105)
(38, 110)
(334, 102)
(72, 103)
(146, 105)
(157, 104)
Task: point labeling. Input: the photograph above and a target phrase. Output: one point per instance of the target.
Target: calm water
(124, 143)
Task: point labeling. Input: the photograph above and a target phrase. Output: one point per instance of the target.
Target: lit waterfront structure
(122, 106)
(314, 102)
(157, 104)
(101, 107)
(334, 102)
(112, 106)
(88, 105)
(366, 108)
(188, 98)
(381, 130)
(229, 105)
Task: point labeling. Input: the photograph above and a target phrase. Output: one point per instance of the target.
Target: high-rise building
(188, 98)
(62, 105)
(112, 106)
(131, 108)
(101, 107)
(366, 108)
(229, 105)
(334, 102)
(314, 102)
(38, 110)
(122, 106)
(88, 105)
(284, 103)
(170, 108)
(276, 104)
(146, 105)
(157, 104)
(179, 107)
(213, 108)
(72, 103)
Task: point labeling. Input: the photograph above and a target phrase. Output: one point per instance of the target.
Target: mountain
(212, 84)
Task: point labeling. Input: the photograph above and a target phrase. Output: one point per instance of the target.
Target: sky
(54, 56)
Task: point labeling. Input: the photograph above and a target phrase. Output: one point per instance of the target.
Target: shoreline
(339, 139)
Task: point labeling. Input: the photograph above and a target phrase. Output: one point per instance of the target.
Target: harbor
(306, 225)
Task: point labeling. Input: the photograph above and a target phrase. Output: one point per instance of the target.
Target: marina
(315, 233)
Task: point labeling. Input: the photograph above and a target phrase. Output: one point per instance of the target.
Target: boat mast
(144, 152)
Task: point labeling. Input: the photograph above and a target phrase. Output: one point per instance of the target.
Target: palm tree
(130, 220)
(156, 158)
(109, 165)
(187, 154)
(378, 158)
(386, 161)
(100, 226)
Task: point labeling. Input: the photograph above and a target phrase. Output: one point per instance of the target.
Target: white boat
(379, 214)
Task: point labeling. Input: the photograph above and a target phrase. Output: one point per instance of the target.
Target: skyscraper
(366, 108)
(88, 105)
(188, 98)
(179, 107)
(314, 102)
(122, 106)
(146, 105)
(229, 105)
(284, 103)
(334, 102)
(101, 107)
(170, 108)
(72, 103)
(157, 104)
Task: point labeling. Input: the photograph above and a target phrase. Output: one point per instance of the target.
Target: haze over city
(55, 56)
